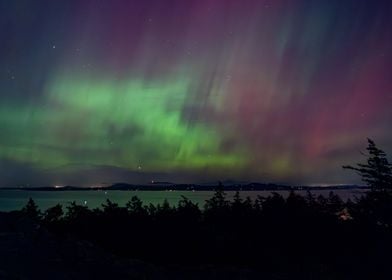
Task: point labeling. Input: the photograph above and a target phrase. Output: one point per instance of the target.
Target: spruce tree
(377, 171)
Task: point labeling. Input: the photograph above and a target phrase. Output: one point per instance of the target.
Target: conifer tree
(377, 171)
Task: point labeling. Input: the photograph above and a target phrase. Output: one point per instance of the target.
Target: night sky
(95, 92)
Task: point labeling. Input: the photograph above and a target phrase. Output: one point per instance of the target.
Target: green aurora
(134, 124)
(95, 92)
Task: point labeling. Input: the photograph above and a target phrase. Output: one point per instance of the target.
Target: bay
(16, 199)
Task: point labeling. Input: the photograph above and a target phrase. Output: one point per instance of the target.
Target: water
(16, 199)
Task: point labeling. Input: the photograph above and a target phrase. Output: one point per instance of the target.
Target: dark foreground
(267, 238)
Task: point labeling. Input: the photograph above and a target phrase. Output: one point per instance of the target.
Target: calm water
(15, 199)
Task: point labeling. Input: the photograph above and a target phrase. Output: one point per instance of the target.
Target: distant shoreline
(189, 187)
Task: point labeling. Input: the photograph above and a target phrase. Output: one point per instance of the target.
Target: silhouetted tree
(241, 209)
(375, 208)
(217, 207)
(151, 210)
(135, 207)
(258, 204)
(75, 211)
(31, 210)
(310, 198)
(274, 204)
(248, 203)
(187, 210)
(165, 210)
(377, 171)
(109, 206)
(334, 203)
(322, 201)
(53, 214)
(112, 209)
(296, 204)
(218, 201)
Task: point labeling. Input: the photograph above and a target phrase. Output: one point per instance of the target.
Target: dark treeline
(298, 237)
(316, 237)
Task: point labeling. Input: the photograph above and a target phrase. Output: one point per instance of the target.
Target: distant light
(57, 186)
(85, 202)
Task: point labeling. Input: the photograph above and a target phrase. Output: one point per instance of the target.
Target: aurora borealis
(192, 91)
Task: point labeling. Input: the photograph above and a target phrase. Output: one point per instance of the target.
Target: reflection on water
(15, 199)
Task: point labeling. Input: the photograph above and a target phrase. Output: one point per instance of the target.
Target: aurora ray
(282, 91)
